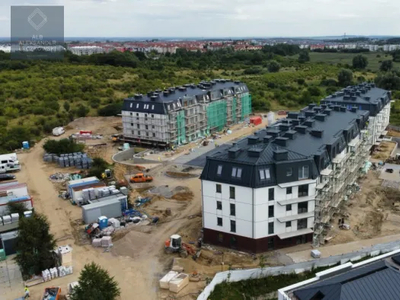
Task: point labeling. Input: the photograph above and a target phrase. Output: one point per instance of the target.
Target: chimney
(254, 152)
(327, 111)
(281, 141)
(149, 94)
(233, 152)
(309, 114)
(301, 129)
(295, 122)
(292, 115)
(317, 133)
(252, 140)
(354, 109)
(336, 108)
(342, 108)
(281, 154)
(138, 96)
(273, 132)
(291, 134)
(320, 117)
(312, 105)
(284, 127)
(267, 139)
(154, 98)
(166, 93)
(309, 123)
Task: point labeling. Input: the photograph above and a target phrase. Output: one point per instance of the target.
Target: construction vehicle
(52, 293)
(140, 177)
(92, 230)
(174, 245)
(116, 138)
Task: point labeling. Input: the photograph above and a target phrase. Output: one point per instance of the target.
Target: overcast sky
(220, 18)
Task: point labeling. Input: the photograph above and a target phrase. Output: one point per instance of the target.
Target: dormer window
(236, 172)
(219, 170)
(265, 174)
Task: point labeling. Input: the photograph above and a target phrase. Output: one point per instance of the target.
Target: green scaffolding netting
(234, 110)
(216, 116)
(180, 125)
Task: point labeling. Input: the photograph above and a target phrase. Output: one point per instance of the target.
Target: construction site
(160, 239)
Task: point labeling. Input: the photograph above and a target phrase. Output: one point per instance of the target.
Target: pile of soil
(180, 174)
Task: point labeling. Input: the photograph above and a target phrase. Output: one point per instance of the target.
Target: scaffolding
(337, 183)
(180, 127)
(246, 105)
(216, 116)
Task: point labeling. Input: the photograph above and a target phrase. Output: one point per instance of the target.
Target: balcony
(290, 234)
(296, 200)
(296, 217)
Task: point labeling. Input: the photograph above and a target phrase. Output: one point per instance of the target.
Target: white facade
(256, 209)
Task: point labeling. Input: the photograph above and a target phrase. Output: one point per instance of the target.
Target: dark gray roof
(365, 96)
(378, 280)
(311, 137)
(161, 101)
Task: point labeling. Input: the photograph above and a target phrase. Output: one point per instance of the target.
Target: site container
(109, 208)
(256, 120)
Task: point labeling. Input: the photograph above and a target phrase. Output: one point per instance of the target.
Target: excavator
(175, 245)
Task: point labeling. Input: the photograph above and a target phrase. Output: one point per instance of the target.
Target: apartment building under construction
(282, 186)
(179, 115)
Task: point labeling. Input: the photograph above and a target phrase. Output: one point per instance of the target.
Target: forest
(37, 96)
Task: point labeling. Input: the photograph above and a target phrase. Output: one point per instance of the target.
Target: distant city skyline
(219, 18)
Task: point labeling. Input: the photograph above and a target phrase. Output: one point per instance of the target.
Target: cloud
(223, 18)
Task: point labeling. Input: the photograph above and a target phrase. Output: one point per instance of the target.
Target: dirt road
(136, 276)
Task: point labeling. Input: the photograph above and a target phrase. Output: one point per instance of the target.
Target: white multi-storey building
(282, 186)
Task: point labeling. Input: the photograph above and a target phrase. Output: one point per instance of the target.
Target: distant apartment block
(281, 186)
(182, 114)
(86, 50)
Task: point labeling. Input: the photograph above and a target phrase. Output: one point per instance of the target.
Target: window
(219, 221)
(289, 207)
(236, 172)
(131, 114)
(303, 207)
(152, 108)
(304, 172)
(288, 190)
(218, 188)
(233, 210)
(219, 205)
(271, 194)
(137, 106)
(233, 226)
(219, 170)
(154, 135)
(288, 224)
(303, 190)
(301, 224)
(289, 172)
(265, 174)
(232, 192)
(271, 228)
(147, 127)
(131, 124)
(152, 127)
(138, 133)
(138, 126)
(270, 211)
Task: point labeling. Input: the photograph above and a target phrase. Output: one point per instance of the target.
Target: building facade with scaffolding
(282, 186)
(179, 115)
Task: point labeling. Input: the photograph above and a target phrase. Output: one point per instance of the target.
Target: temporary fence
(77, 159)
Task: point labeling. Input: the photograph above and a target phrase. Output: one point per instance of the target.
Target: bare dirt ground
(393, 133)
(384, 151)
(373, 212)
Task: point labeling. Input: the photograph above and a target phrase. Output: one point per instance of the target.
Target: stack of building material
(65, 254)
(106, 241)
(53, 273)
(7, 220)
(64, 271)
(164, 282)
(108, 231)
(177, 283)
(96, 243)
(14, 218)
(77, 159)
(115, 223)
(46, 275)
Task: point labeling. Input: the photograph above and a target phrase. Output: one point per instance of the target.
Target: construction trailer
(26, 200)
(110, 208)
(179, 115)
(81, 182)
(9, 163)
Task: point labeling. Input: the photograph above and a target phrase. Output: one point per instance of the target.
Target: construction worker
(27, 294)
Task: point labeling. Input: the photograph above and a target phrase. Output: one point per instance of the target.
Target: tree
(34, 245)
(82, 111)
(95, 284)
(62, 146)
(16, 208)
(303, 57)
(345, 77)
(110, 110)
(386, 65)
(98, 167)
(274, 67)
(360, 62)
(66, 106)
(388, 81)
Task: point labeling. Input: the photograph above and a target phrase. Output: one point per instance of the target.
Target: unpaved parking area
(10, 278)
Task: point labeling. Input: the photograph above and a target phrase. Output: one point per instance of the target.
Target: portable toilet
(103, 222)
(25, 145)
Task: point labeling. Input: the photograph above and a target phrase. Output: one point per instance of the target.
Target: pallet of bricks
(77, 159)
